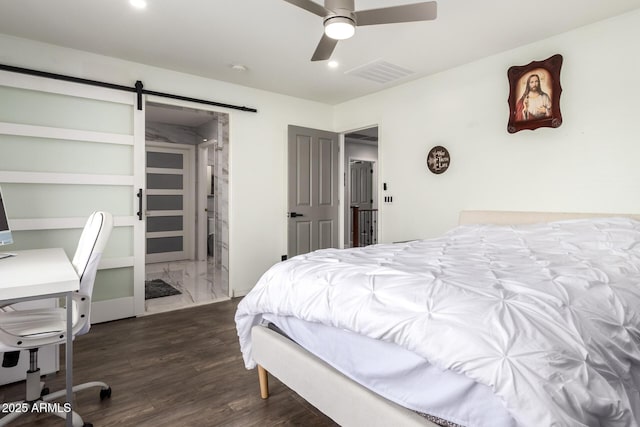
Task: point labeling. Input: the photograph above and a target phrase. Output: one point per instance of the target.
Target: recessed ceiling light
(238, 67)
(138, 4)
(333, 64)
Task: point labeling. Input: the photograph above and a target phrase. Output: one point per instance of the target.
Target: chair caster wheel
(105, 393)
(44, 391)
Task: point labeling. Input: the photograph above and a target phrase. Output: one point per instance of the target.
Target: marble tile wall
(221, 190)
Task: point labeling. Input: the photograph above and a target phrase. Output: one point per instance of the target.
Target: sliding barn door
(66, 150)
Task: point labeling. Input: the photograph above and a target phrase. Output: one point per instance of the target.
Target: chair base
(35, 387)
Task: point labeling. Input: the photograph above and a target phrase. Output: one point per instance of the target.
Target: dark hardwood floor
(182, 368)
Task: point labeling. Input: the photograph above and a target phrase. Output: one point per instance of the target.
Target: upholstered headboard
(514, 217)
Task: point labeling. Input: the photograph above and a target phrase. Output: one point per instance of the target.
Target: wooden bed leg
(264, 382)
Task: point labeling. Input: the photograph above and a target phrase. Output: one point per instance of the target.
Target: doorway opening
(186, 200)
(361, 188)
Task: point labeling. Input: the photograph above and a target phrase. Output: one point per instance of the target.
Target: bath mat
(158, 288)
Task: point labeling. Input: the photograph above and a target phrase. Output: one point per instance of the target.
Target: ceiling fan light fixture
(339, 28)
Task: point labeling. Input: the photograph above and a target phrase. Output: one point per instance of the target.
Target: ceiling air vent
(380, 72)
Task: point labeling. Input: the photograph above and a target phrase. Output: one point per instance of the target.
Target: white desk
(37, 274)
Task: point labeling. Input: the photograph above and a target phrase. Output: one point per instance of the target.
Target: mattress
(545, 315)
(399, 375)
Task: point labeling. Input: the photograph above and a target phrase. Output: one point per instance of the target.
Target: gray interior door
(361, 184)
(313, 190)
(360, 190)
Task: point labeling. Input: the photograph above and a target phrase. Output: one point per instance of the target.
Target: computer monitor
(5, 231)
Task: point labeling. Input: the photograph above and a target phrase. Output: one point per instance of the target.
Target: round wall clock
(438, 159)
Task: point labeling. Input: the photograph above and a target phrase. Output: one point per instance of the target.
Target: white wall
(587, 164)
(257, 142)
(359, 151)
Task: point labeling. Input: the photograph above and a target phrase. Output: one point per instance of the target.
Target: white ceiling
(275, 40)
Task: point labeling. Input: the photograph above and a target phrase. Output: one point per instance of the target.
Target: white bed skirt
(344, 401)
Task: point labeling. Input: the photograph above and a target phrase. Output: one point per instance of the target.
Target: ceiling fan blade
(405, 13)
(311, 6)
(325, 48)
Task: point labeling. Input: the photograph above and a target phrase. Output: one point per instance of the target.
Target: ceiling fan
(341, 19)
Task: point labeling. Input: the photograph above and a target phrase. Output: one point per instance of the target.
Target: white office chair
(31, 329)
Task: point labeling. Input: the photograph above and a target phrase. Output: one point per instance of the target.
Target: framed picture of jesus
(534, 95)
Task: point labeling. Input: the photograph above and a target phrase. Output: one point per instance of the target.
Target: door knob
(294, 214)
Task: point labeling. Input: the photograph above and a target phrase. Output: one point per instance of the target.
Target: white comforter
(547, 315)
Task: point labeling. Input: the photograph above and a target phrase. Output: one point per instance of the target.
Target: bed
(561, 346)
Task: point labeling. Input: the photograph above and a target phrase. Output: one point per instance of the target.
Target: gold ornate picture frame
(534, 95)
